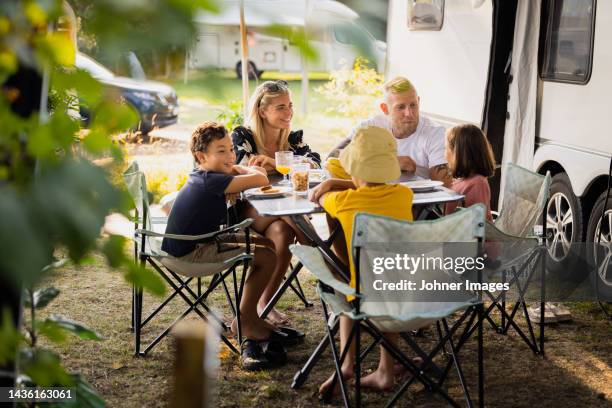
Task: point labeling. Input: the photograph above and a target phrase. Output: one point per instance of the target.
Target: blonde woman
(268, 130)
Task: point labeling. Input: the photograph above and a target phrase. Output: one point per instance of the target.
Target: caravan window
(425, 15)
(568, 40)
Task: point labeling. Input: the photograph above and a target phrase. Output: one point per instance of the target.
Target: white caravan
(331, 29)
(536, 75)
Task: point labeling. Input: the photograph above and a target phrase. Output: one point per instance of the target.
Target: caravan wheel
(564, 225)
(253, 72)
(601, 255)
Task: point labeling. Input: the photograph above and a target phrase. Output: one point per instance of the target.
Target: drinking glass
(284, 160)
(299, 178)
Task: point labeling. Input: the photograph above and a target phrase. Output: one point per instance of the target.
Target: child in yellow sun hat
(371, 162)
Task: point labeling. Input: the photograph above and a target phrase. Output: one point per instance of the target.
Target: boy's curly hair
(203, 136)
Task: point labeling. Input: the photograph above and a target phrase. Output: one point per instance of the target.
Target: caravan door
(206, 51)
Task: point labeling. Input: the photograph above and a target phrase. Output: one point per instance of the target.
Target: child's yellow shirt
(390, 200)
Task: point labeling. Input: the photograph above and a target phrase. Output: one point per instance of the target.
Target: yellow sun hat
(371, 156)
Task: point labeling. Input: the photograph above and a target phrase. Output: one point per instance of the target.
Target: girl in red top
(470, 161)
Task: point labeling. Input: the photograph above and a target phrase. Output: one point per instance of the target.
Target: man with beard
(420, 142)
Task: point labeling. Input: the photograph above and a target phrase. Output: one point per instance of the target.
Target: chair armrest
(159, 220)
(311, 258)
(242, 225)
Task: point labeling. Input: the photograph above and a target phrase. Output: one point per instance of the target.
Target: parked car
(155, 102)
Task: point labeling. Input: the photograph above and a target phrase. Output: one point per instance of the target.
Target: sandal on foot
(252, 356)
(294, 336)
(275, 352)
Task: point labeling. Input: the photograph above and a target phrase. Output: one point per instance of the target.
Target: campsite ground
(575, 373)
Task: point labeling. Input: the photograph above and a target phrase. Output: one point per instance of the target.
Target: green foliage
(86, 396)
(119, 26)
(10, 338)
(142, 277)
(52, 195)
(73, 327)
(43, 367)
(232, 116)
(41, 297)
(353, 91)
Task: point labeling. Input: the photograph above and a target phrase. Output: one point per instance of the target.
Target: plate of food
(268, 191)
(423, 186)
(316, 176)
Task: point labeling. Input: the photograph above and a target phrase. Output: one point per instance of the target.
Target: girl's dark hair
(471, 150)
(204, 135)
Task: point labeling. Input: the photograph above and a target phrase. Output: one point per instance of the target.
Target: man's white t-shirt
(425, 146)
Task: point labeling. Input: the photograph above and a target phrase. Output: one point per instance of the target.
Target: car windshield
(96, 70)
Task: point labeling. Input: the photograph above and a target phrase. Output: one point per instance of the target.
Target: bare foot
(252, 330)
(399, 369)
(378, 380)
(274, 316)
(324, 389)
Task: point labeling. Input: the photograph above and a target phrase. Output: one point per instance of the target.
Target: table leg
(279, 292)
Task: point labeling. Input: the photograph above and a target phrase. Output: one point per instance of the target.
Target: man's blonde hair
(398, 85)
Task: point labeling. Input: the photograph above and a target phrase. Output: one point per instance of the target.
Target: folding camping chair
(179, 274)
(375, 312)
(523, 247)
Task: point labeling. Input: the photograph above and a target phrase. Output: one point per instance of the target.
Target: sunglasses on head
(275, 86)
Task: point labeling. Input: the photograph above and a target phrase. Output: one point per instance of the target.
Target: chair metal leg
(237, 310)
(480, 308)
(301, 376)
(137, 320)
(192, 307)
(357, 329)
(163, 304)
(133, 308)
(503, 305)
(337, 362)
(542, 297)
(455, 358)
(302, 295)
(417, 371)
(227, 294)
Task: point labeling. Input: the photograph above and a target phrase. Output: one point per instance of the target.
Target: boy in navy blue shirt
(200, 208)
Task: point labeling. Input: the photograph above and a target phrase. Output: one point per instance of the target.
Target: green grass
(575, 372)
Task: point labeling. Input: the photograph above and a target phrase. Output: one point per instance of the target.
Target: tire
(565, 233)
(564, 225)
(603, 280)
(253, 72)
